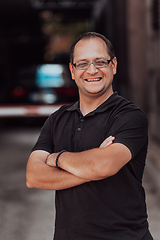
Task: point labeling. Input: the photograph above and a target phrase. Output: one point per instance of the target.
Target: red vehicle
(40, 90)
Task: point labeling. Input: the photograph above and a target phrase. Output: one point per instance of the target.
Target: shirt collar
(74, 106)
(110, 102)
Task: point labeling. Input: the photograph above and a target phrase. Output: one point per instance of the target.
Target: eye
(82, 65)
(101, 63)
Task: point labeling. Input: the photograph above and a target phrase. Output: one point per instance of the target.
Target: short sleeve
(45, 141)
(131, 129)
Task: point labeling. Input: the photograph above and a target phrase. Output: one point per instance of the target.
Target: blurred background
(35, 39)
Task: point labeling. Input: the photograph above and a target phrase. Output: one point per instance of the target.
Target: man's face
(93, 81)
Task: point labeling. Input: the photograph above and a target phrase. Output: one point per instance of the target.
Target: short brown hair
(88, 35)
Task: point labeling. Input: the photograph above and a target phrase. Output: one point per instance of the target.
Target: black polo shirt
(113, 208)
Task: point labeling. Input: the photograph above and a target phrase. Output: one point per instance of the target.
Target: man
(93, 153)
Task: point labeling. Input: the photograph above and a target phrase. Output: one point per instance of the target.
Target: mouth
(93, 79)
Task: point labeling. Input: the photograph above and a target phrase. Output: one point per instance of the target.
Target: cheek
(77, 75)
(109, 73)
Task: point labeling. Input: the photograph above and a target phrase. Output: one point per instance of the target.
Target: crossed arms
(78, 168)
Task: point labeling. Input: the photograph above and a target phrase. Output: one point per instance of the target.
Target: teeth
(92, 80)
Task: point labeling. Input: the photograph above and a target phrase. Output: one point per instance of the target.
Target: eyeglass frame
(108, 62)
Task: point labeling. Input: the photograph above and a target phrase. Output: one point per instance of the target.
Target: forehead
(90, 48)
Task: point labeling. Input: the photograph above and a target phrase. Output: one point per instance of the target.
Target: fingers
(51, 160)
(107, 142)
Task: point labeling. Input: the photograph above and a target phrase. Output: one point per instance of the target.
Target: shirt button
(82, 120)
(78, 129)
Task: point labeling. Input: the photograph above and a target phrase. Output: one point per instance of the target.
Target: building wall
(153, 65)
(137, 52)
(143, 39)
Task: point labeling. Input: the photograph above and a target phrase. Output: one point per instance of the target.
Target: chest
(75, 133)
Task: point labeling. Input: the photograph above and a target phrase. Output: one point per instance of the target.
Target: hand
(107, 142)
(51, 160)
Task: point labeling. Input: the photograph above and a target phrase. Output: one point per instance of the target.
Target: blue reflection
(49, 75)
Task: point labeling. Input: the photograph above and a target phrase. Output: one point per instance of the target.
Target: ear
(71, 70)
(114, 65)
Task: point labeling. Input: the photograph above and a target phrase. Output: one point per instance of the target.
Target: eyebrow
(85, 60)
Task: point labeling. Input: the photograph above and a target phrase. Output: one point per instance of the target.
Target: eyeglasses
(97, 64)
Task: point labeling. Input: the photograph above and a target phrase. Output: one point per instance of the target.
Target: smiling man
(93, 153)
(93, 82)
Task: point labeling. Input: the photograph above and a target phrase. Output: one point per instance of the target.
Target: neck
(89, 104)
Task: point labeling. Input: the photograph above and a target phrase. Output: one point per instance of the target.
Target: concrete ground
(152, 187)
(28, 214)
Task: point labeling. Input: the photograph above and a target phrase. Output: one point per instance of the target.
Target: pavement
(28, 214)
(151, 184)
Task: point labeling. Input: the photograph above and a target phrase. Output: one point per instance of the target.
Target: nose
(92, 69)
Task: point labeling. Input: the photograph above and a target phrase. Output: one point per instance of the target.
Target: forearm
(83, 164)
(94, 164)
(87, 164)
(40, 175)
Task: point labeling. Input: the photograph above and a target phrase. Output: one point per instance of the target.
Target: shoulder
(128, 111)
(64, 109)
(128, 121)
(59, 115)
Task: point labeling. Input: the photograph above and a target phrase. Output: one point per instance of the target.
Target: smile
(93, 79)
